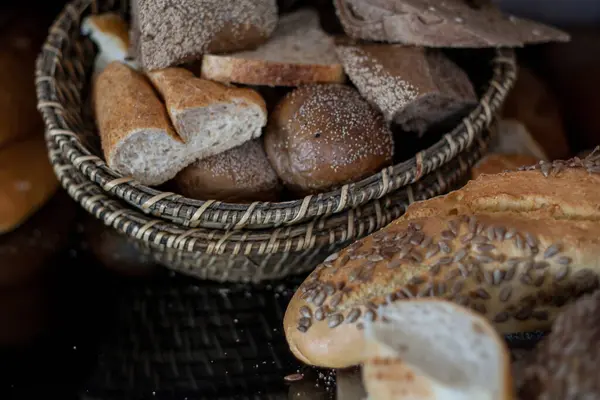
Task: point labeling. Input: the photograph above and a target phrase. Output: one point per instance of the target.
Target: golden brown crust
(515, 246)
(268, 73)
(27, 181)
(176, 84)
(497, 163)
(124, 103)
(323, 136)
(113, 25)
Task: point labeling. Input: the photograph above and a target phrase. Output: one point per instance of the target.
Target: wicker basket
(231, 242)
(63, 72)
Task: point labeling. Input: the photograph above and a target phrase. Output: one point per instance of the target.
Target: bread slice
(434, 350)
(299, 52)
(210, 117)
(137, 136)
(167, 33)
(411, 86)
(513, 138)
(433, 23)
(109, 32)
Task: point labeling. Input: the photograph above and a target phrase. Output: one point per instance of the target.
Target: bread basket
(234, 242)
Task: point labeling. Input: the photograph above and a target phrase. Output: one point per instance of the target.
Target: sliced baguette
(434, 350)
(299, 52)
(137, 136)
(109, 32)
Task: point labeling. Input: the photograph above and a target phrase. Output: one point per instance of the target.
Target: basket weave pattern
(62, 74)
(229, 242)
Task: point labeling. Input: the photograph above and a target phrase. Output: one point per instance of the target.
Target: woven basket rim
(259, 215)
(320, 232)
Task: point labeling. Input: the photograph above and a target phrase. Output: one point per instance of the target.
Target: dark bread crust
(323, 136)
(173, 32)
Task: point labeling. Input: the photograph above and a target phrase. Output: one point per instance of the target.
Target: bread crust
(323, 136)
(27, 181)
(514, 246)
(268, 73)
(497, 163)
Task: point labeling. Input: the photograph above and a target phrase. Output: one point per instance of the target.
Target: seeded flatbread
(515, 247)
(433, 23)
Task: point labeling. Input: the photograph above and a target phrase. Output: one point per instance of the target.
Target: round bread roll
(27, 249)
(240, 175)
(497, 163)
(323, 136)
(515, 247)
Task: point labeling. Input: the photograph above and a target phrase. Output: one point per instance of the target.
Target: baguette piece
(515, 247)
(138, 138)
(565, 364)
(240, 175)
(210, 117)
(167, 33)
(432, 23)
(27, 181)
(435, 350)
(411, 86)
(299, 52)
(110, 33)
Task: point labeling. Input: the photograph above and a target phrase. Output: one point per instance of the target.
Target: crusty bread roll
(434, 350)
(299, 52)
(29, 248)
(532, 103)
(322, 136)
(137, 135)
(171, 32)
(110, 33)
(515, 246)
(27, 181)
(497, 163)
(565, 364)
(413, 87)
(240, 175)
(209, 116)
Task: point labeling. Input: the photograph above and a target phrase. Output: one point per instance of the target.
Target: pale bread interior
(435, 350)
(111, 45)
(298, 39)
(153, 157)
(514, 138)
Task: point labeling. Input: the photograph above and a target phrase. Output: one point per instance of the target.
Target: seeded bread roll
(299, 52)
(240, 175)
(411, 86)
(497, 163)
(166, 33)
(515, 247)
(322, 136)
(565, 365)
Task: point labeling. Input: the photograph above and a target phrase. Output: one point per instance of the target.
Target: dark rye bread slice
(171, 32)
(299, 52)
(411, 86)
(433, 23)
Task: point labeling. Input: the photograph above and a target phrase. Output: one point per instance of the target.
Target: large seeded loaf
(299, 52)
(240, 175)
(434, 350)
(433, 23)
(515, 247)
(27, 181)
(209, 116)
(565, 364)
(138, 137)
(167, 33)
(411, 86)
(110, 33)
(320, 137)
